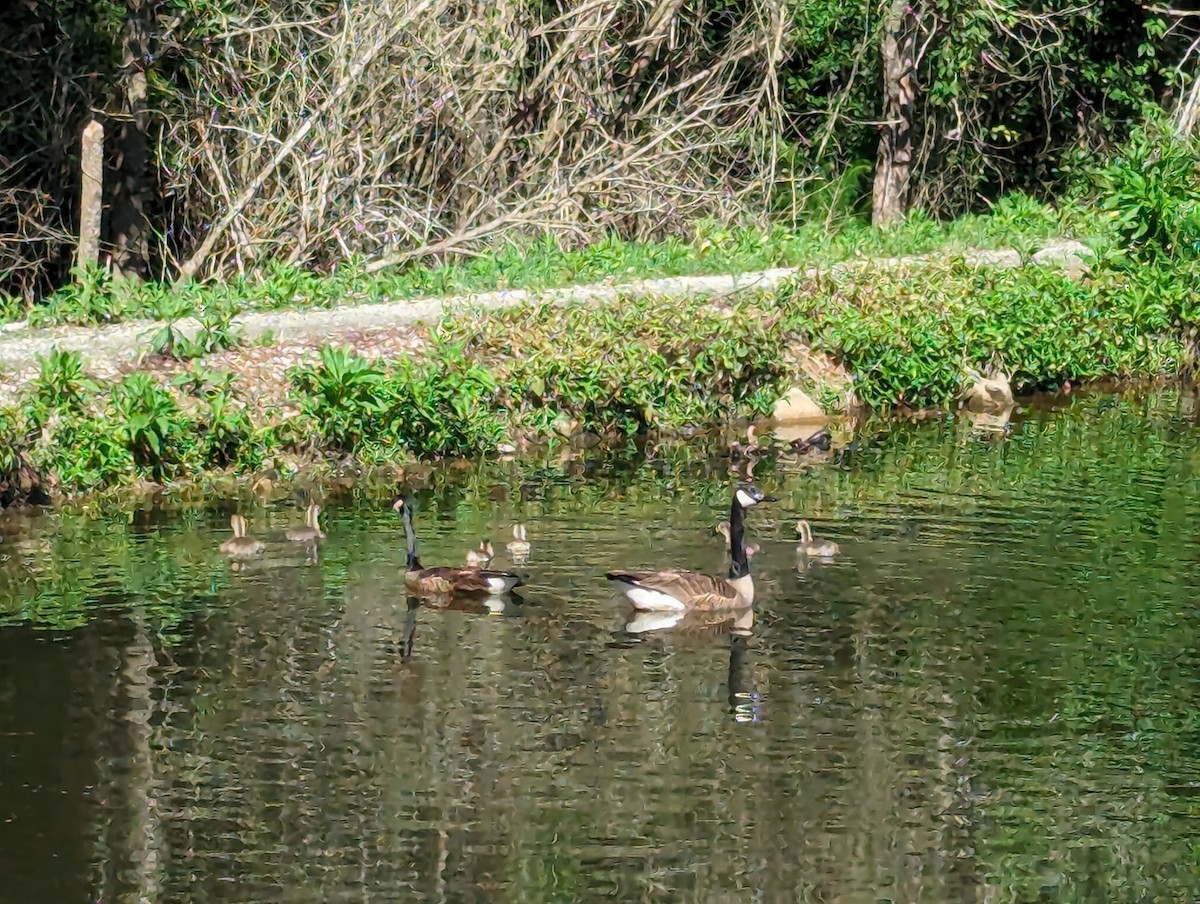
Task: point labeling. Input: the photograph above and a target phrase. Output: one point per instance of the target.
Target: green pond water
(989, 695)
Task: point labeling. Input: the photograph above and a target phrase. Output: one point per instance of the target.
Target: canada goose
(311, 532)
(679, 589)
(443, 580)
(518, 548)
(723, 529)
(239, 546)
(808, 548)
(481, 556)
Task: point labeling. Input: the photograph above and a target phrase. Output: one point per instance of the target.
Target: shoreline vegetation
(896, 333)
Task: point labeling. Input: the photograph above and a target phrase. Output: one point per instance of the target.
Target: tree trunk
(893, 166)
(128, 226)
(1187, 115)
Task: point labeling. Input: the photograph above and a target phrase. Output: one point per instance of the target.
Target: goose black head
(398, 503)
(748, 495)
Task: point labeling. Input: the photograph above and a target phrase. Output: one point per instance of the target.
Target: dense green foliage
(1011, 98)
(631, 366)
(482, 379)
(441, 404)
(478, 380)
(910, 339)
(906, 335)
(1152, 188)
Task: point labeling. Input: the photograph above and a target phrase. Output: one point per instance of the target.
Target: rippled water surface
(990, 695)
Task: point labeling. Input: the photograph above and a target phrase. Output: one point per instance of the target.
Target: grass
(1014, 221)
(911, 341)
(483, 379)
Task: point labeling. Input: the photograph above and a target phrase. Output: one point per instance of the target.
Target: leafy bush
(1153, 190)
(85, 452)
(216, 332)
(345, 396)
(226, 434)
(641, 363)
(444, 404)
(440, 404)
(61, 386)
(910, 341)
(150, 424)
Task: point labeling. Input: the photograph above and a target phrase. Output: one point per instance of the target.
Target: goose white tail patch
(646, 621)
(644, 598)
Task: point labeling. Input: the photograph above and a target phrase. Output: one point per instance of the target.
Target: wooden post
(91, 202)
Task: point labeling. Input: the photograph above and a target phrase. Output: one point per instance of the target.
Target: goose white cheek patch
(746, 499)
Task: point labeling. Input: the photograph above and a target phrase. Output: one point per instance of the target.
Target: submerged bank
(479, 382)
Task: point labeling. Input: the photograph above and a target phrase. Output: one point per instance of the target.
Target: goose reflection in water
(701, 628)
(494, 605)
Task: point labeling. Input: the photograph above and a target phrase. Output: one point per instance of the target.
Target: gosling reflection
(519, 547)
(991, 423)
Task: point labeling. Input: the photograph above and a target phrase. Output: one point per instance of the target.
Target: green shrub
(150, 424)
(910, 340)
(1153, 190)
(61, 387)
(440, 404)
(84, 452)
(629, 366)
(345, 396)
(227, 436)
(444, 404)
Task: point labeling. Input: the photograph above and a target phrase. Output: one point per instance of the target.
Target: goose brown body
(689, 589)
(448, 580)
(441, 580)
(676, 588)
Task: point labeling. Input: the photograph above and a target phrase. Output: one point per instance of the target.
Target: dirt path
(110, 350)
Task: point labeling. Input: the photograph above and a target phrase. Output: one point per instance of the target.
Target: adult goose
(239, 546)
(676, 589)
(447, 580)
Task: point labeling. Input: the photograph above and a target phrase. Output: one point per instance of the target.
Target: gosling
(808, 547)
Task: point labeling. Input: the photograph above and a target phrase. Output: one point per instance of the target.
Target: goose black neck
(410, 542)
(739, 564)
